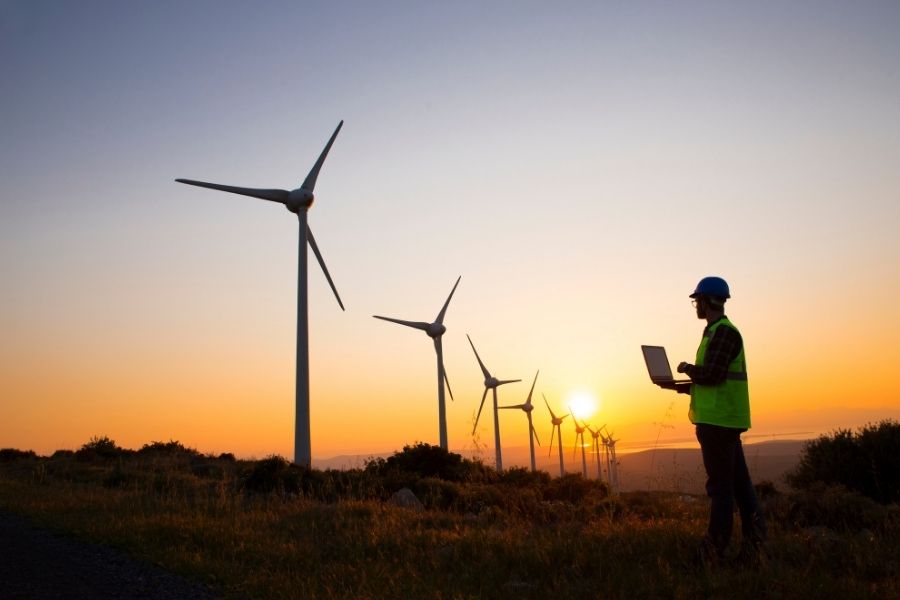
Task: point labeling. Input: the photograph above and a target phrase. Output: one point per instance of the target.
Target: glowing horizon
(580, 170)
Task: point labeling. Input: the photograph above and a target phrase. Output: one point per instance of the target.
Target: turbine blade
(550, 452)
(315, 249)
(548, 406)
(440, 317)
(532, 387)
(484, 370)
(499, 383)
(514, 406)
(483, 396)
(564, 416)
(438, 347)
(309, 183)
(279, 196)
(413, 324)
(534, 431)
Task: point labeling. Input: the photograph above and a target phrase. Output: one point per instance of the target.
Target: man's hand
(683, 367)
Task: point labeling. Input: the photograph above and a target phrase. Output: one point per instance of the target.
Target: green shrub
(867, 461)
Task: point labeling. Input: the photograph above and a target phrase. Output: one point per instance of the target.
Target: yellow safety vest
(728, 403)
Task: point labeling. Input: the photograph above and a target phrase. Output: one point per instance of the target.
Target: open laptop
(658, 365)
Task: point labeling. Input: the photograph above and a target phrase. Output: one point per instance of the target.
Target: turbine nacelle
(299, 199)
(435, 330)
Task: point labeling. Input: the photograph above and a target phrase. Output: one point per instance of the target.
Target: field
(266, 529)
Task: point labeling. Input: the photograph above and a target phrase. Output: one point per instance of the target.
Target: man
(720, 409)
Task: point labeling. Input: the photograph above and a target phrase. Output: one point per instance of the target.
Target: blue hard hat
(712, 286)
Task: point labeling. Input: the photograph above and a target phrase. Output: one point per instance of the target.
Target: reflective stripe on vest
(726, 404)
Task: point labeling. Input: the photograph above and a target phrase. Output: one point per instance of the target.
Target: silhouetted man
(720, 409)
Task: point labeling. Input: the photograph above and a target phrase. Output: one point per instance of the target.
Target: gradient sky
(580, 165)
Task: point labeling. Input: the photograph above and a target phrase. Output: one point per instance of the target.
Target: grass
(332, 534)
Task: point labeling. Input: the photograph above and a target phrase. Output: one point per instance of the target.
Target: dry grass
(192, 515)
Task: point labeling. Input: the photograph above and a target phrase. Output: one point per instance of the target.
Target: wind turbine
(297, 201)
(491, 383)
(435, 331)
(595, 449)
(612, 464)
(579, 434)
(557, 422)
(528, 407)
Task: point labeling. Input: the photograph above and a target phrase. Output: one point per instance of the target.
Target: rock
(405, 498)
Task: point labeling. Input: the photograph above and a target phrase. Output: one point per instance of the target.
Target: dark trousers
(728, 480)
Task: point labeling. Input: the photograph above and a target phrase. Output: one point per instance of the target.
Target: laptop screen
(657, 363)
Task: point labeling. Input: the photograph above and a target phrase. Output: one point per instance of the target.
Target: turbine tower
(595, 449)
(435, 331)
(528, 407)
(491, 383)
(557, 422)
(297, 201)
(579, 435)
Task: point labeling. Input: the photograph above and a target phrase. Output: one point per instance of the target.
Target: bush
(273, 474)
(573, 488)
(835, 507)
(101, 448)
(170, 448)
(867, 462)
(425, 460)
(11, 454)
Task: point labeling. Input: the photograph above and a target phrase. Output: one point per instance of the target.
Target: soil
(39, 564)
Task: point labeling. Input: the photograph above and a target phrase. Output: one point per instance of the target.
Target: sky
(580, 165)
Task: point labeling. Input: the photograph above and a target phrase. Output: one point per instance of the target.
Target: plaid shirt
(723, 348)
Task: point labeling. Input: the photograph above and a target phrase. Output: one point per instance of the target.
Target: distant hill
(681, 469)
(671, 469)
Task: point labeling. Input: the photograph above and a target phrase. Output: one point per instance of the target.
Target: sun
(583, 404)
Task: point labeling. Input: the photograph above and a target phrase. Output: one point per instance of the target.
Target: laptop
(658, 365)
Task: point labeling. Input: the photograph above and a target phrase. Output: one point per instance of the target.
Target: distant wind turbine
(579, 435)
(491, 383)
(595, 449)
(528, 407)
(297, 201)
(435, 331)
(612, 463)
(557, 422)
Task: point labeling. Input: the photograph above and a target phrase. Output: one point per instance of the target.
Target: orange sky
(580, 171)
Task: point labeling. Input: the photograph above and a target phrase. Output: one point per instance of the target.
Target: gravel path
(38, 564)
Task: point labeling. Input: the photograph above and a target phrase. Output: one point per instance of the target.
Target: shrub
(273, 474)
(101, 448)
(425, 460)
(573, 488)
(835, 507)
(11, 454)
(867, 462)
(169, 448)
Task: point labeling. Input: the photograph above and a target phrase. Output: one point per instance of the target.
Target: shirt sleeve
(723, 348)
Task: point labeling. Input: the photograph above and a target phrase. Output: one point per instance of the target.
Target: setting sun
(583, 404)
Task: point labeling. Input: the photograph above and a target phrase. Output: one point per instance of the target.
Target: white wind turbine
(579, 435)
(595, 449)
(491, 383)
(557, 422)
(435, 331)
(297, 201)
(528, 407)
